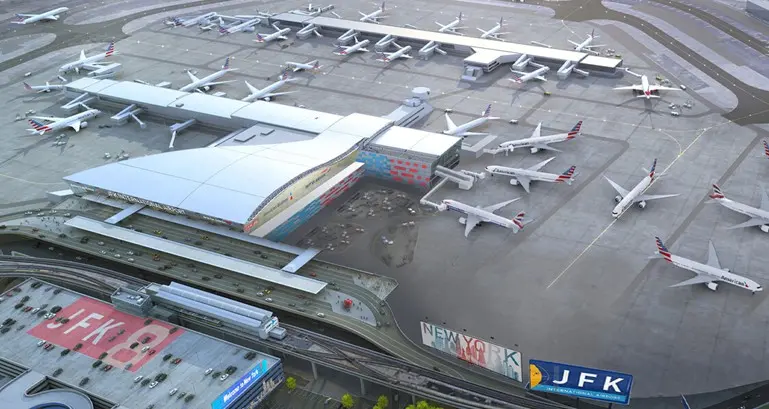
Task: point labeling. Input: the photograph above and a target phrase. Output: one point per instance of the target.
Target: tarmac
(575, 286)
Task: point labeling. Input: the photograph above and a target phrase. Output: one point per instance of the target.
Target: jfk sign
(580, 382)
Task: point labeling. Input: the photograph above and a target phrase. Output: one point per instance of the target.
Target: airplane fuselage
(534, 141)
(354, 48)
(629, 199)
(78, 64)
(262, 93)
(534, 74)
(372, 16)
(204, 81)
(483, 215)
(196, 20)
(460, 129)
(48, 15)
(645, 87)
(242, 26)
(744, 209)
(274, 35)
(67, 122)
(716, 274)
(398, 54)
(451, 27)
(585, 44)
(530, 174)
(492, 32)
(296, 66)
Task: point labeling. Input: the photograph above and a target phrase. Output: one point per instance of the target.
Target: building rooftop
(429, 143)
(301, 119)
(101, 329)
(209, 105)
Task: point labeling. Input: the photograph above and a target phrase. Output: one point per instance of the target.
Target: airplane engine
(84, 124)
(642, 204)
(765, 228)
(206, 88)
(514, 182)
(267, 99)
(727, 270)
(534, 150)
(462, 220)
(712, 286)
(617, 198)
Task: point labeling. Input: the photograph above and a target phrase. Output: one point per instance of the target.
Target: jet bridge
(429, 49)
(463, 178)
(178, 127)
(129, 112)
(80, 100)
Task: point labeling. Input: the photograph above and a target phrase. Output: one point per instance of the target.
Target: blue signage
(580, 382)
(243, 384)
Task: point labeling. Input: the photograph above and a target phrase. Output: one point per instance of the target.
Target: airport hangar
(268, 189)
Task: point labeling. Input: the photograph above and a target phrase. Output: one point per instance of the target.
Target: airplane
(524, 177)
(266, 92)
(313, 65)
(473, 216)
(707, 273)
(538, 74)
(758, 217)
(374, 16)
(173, 21)
(207, 27)
(88, 62)
(624, 199)
(358, 46)
(538, 142)
(189, 22)
(452, 27)
(75, 122)
(207, 82)
(240, 26)
(277, 35)
(463, 130)
(34, 18)
(43, 88)
(587, 45)
(493, 33)
(645, 89)
(401, 53)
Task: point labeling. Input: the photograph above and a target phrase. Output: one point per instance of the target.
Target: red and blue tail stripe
(574, 131)
(39, 126)
(565, 176)
(27, 87)
(226, 65)
(664, 252)
(518, 219)
(487, 112)
(651, 171)
(766, 149)
(717, 194)
(259, 38)
(223, 30)
(110, 49)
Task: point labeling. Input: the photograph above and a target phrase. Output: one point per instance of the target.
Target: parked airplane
(626, 198)
(75, 122)
(374, 16)
(358, 46)
(43, 88)
(403, 52)
(248, 24)
(524, 177)
(463, 130)
(91, 62)
(207, 82)
(266, 92)
(538, 142)
(645, 90)
(279, 34)
(34, 18)
(587, 45)
(473, 216)
(493, 32)
(191, 21)
(538, 74)
(207, 27)
(758, 217)
(313, 65)
(452, 27)
(708, 273)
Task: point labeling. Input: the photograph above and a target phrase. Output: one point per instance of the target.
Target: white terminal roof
(416, 141)
(226, 182)
(286, 116)
(209, 104)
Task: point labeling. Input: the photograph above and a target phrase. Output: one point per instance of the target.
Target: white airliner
(190, 21)
(279, 34)
(463, 130)
(240, 26)
(645, 90)
(758, 217)
(266, 92)
(403, 52)
(313, 65)
(493, 32)
(43, 88)
(524, 177)
(358, 46)
(374, 16)
(52, 15)
(538, 142)
(75, 122)
(587, 45)
(207, 82)
(708, 273)
(92, 62)
(453, 27)
(624, 199)
(473, 216)
(538, 74)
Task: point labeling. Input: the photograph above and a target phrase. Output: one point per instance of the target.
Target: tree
(382, 402)
(411, 407)
(423, 405)
(291, 383)
(347, 401)
(377, 407)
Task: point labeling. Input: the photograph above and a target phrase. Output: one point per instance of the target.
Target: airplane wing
(621, 190)
(661, 88)
(51, 18)
(26, 15)
(252, 88)
(540, 165)
(47, 118)
(541, 78)
(750, 223)
(595, 46)
(275, 94)
(642, 198)
(474, 133)
(493, 208)
(449, 122)
(362, 14)
(574, 43)
(470, 222)
(713, 256)
(75, 125)
(217, 83)
(193, 78)
(630, 87)
(524, 182)
(764, 200)
(542, 146)
(699, 279)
